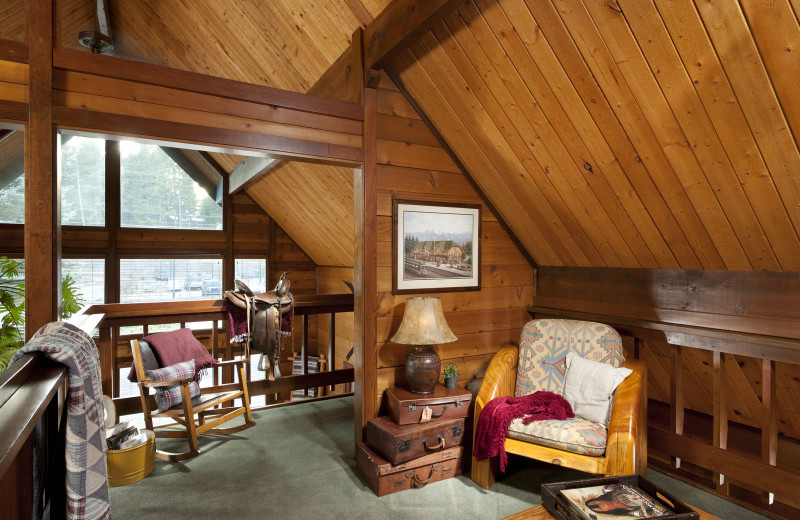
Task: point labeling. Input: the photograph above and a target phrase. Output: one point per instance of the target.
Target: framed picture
(435, 246)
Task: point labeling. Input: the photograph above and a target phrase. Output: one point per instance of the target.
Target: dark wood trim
(228, 260)
(14, 111)
(113, 215)
(116, 124)
(42, 183)
(108, 66)
(400, 24)
(413, 102)
(35, 387)
(12, 50)
(365, 358)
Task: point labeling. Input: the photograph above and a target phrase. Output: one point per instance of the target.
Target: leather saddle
(268, 321)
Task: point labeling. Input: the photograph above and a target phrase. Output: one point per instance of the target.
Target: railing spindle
(332, 345)
(769, 430)
(304, 350)
(720, 415)
(676, 396)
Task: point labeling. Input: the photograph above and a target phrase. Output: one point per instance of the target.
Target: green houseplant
(450, 374)
(12, 306)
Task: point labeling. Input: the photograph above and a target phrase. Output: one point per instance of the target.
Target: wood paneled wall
(412, 165)
(760, 303)
(653, 134)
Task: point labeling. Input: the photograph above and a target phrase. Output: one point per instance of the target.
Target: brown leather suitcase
(384, 478)
(406, 407)
(399, 444)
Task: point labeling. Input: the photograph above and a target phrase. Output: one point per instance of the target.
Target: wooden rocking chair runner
(202, 406)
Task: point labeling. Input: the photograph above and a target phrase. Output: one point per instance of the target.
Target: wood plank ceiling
(629, 133)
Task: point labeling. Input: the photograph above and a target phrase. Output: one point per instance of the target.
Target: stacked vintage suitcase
(418, 443)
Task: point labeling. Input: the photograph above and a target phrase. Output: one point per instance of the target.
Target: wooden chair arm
(166, 382)
(500, 378)
(625, 450)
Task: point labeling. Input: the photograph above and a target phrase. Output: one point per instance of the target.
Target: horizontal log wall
(718, 344)
(413, 165)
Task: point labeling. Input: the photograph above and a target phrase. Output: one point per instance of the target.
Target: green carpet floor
(297, 463)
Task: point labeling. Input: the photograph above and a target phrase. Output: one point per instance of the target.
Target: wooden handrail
(732, 342)
(116, 315)
(29, 394)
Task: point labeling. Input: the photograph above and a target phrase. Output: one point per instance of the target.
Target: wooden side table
(540, 513)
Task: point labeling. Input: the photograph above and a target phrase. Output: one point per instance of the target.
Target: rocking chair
(201, 406)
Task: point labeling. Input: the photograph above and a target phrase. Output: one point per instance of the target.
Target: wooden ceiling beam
(146, 74)
(249, 170)
(182, 160)
(399, 24)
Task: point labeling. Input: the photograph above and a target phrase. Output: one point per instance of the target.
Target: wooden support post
(106, 362)
(304, 350)
(769, 426)
(113, 215)
(42, 178)
(228, 261)
(637, 348)
(365, 388)
(720, 411)
(332, 345)
(676, 396)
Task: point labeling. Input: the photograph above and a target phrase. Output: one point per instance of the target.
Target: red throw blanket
(177, 346)
(495, 418)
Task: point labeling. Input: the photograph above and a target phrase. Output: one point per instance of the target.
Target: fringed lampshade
(423, 325)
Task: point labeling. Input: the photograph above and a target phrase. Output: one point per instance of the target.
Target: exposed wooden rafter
(399, 24)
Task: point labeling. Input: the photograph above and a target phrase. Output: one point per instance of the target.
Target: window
(88, 275)
(157, 193)
(253, 272)
(12, 177)
(83, 181)
(169, 279)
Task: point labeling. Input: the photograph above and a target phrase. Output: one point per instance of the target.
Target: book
(118, 428)
(115, 440)
(133, 441)
(614, 502)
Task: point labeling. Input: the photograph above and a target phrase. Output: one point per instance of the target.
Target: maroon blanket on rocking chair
(495, 418)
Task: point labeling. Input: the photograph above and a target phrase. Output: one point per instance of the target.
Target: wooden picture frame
(424, 262)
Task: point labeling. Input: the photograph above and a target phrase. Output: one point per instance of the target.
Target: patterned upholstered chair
(539, 364)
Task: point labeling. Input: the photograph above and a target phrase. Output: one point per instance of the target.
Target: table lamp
(423, 325)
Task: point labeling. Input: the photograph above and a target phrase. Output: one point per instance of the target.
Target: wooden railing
(759, 468)
(33, 391)
(115, 351)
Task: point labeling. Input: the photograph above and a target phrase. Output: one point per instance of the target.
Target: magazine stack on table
(614, 502)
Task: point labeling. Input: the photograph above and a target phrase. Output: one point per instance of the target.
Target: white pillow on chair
(589, 386)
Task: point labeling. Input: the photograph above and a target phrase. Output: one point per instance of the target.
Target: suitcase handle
(438, 447)
(436, 415)
(418, 482)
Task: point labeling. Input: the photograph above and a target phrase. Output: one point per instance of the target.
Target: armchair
(539, 364)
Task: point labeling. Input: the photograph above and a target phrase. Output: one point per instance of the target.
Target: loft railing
(115, 335)
(759, 468)
(33, 391)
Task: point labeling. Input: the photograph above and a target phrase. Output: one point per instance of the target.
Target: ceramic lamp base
(422, 369)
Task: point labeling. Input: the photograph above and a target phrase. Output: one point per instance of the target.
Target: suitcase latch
(404, 446)
(412, 407)
(458, 402)
(457, 431)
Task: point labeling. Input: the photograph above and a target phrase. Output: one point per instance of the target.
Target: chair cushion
(169, 396)
(544, 344)
(589, 386)
(576, 435)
